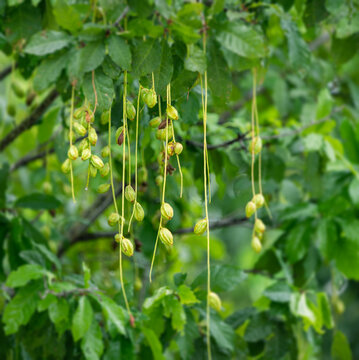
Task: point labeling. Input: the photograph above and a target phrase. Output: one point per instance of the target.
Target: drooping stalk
(206, 188)
(136, 155)
(123, 192)
(164, 183)
(71, 136)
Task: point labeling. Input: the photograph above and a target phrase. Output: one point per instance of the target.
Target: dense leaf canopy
(61, 295)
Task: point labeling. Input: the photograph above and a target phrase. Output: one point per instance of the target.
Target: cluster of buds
(174, 148)
(165, 235)
(256, 203)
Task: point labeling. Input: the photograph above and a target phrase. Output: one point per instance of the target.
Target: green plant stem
(71, 135)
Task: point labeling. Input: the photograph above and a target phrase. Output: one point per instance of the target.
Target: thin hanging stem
(71, 136)
(136, 155)
(178, 162)
(123, 192)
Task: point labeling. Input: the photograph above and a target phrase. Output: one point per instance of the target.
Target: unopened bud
(215, 301)
(66, 166)
(250, 209)
(79, 113)
(81, 130)
(127, 247)
(258, 199)
(139, 212)
(172, 112)
(171, 149)
(84, 144)
(73, 153)
(150, 98)
(105, 116)
(113, 219)
(86, 154)
(259, 226)
(103, 188)
(255, 146)
(130, 194)
(155, 122)
(167, 211)
(256, 244)
(93, 171)
(130, 110)
(200, 227)
(178, 148)
(159, 180)
(119, 135)
(105, 152)
(96, 162)
(166, 236)
(92, 136)
(105, 170)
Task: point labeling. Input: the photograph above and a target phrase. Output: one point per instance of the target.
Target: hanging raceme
(255, 148)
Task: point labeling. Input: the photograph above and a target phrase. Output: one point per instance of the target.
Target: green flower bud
(79, 113)
(84, 144)
(250, 209)
(73, 153)
(127, 247)
(155, 122)
(105, 116)
(166, 236)
(161, 134)
(92, 136)
(130, 194)
(150, 98)
(200, 227)
(259, 226)
(142, 175)
(258, 199)
(215, 301)
(178, 148)
(256, 145)
(11, 110)
(139, 212)
(120, 135)
(159, 180)
(167, 211)
(130, 110)
(105, 170)
(66, 166)
(103, 188)
(256, 244)
(18, 89)
(96, 162)
(105, 152)
(118, 238)
(113, 219)
(93, 171)
(86, 154)
(144, 93)
(171, 149)
(81, 130)
(172, 112)
(47, 187)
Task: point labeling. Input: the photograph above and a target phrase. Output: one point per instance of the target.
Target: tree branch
(85, 236)
(4, 73)
(239, 138)
(122, 15)
(30, 121)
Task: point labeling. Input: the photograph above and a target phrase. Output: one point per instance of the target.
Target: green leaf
(110, 68)
(92, 343)
(354, 191)
(340, 347)
(297, 242)
(347, 258)
(91, 56)
(104, 89)
(258, 328)
(183, 83)
(66, 16)
(164, 71)
(223, 278)
(21, 307)
(325, 104)
(47, 42)
(222, 333)
(195, 60)
(46, 302)
(186, 295)
(278, 292)
(113, 313)
(299, 307)
(173, 308)
(243, 40)
(82, 318)
(49, 71)
(145, 57)
(24, 274)
(324, 309)
(298, 49)
(219, 77)
(119, 52)
(87, 275)
(37, 201)
(59, 314)
(154, 343)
